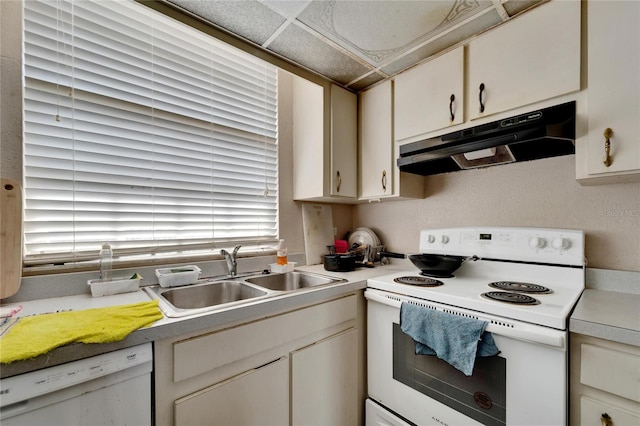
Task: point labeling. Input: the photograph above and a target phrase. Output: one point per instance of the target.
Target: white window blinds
(142, 132)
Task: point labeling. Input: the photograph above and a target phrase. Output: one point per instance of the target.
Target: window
(142, 132)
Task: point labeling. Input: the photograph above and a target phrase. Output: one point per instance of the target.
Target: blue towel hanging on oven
(452, 338)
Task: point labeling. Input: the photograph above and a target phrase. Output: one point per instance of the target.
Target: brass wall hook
(608, 159)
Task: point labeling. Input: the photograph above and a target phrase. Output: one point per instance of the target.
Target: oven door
(526, 384)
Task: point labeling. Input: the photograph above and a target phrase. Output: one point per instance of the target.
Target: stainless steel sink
(290, 281)
(221, 294)
(203, 297)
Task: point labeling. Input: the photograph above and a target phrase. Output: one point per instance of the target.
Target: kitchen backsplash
(541, 193)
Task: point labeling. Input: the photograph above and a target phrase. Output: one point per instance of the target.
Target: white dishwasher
(108, 389)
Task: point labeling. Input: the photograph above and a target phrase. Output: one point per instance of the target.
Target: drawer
(592, 411)
(610, 370)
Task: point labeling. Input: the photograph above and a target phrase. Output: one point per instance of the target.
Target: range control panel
(537, 245)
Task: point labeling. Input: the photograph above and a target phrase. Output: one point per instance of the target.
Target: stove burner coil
(520, 287)
(419, 281)
(510, 297)
(437, 274)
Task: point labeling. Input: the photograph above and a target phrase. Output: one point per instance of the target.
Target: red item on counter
(341, 246)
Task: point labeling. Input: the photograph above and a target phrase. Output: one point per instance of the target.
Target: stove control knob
(561, 243)
(431, 239)
(444, 239)
(537, 242)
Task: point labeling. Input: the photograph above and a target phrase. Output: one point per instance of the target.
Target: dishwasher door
(108, 389)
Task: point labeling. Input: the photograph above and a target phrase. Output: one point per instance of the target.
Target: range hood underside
(523, 151)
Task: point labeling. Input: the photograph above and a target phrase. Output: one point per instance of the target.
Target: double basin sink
(226, 292)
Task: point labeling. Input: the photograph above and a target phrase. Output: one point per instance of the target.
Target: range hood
(543, 133)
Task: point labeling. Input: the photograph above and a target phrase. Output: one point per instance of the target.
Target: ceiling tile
(486, 20)
(308, 50)
(290, 9)
(355, 41)
(516, 6)
(247, 18)
(376, 31)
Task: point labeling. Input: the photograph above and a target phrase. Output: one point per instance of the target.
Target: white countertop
(608, 315)
(76, 303)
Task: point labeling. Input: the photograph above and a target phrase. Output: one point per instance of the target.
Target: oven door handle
(521, 331)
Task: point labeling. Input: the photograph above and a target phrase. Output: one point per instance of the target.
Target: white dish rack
(178, 275)
(114, 286)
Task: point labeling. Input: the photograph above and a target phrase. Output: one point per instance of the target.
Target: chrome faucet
(232, 264)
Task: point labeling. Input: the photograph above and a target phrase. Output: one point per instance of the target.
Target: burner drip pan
(510, 297)
(418, 281)
(520, 287)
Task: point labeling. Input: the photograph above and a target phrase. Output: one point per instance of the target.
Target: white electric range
(537, 276)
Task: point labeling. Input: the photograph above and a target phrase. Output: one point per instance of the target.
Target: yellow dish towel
(39, 334)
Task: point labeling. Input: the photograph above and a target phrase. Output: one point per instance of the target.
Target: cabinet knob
(339, 180)
(480, 97)
(606, 420)
(608, 159)
(451, 99)
(384, 180)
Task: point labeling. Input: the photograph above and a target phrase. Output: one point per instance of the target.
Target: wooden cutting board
(317, 221)
(10, 237)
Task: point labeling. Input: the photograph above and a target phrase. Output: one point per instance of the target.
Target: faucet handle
(235, 250)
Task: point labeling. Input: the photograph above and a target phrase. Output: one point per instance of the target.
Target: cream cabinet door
(534, 57)
(257, 397)
(307, 118)
(324, 382)
(423, 96)
(613, 91)
(380, 178)
(324, 146)
(344, 142)
(376, 141)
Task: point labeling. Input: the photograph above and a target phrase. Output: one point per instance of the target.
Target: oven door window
(481, 396)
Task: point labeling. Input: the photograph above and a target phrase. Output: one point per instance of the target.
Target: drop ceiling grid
(355, 43)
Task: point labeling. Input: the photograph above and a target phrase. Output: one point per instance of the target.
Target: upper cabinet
(324, 143)
(380, 177)
(430, 96)
(344, 143)
(610, 152)
(532, 58)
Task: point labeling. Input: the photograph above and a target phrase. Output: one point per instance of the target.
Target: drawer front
(204, 353)
(592, 412)
(611, 371)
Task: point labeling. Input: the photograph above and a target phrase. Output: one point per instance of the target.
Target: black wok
(439, 265)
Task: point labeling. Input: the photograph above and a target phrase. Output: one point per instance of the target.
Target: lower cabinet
(302, 367)
(605, 382)
(323, 377)
(257, 397)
